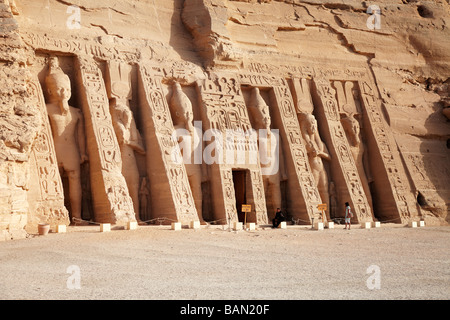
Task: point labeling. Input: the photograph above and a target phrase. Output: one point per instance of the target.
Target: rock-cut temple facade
(192, 110)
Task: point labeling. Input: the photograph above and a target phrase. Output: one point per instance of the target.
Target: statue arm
(135, 139)
(121, 132)
(324, 154)
(322, 150)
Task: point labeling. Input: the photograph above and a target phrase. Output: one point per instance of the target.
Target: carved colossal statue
(260, 110)
(129, 142)
(68, 133)
(120, 92)
(352, 128)
(182, 108)
(143, 197)
(271, 158)
(317, 151)
(183, 118)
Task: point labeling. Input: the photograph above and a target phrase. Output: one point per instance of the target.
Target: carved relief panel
(48, 198)
(404, 200)
(303, 170)
(298, 172)
(112, 202)
(346, 176)
(224, 110)
(165, 166)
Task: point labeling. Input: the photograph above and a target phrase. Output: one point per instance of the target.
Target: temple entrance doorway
(239, 181)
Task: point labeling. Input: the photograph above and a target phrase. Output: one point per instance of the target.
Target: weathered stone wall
(373, 80)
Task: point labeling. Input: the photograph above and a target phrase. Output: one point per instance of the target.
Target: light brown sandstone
(360, 101)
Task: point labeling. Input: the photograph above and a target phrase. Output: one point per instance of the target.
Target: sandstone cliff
(393, 54)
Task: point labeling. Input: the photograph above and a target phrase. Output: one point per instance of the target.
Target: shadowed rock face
(382, 69)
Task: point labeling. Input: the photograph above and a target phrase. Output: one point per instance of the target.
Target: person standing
(348, 215)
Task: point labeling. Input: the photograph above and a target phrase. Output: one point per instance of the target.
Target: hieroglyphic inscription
(292, 135)
(229, 198)
(342, 150)
(72, 45)
(404, 199)
(103, 149)
(299, 156)
(258, 194)
(225, 110)
(163, 128)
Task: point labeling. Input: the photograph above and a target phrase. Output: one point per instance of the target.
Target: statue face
(356, 129)
(59, 88)
(312, 124)
(267, 122)
(355, 126)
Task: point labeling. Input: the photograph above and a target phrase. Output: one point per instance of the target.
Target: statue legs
(75, 193)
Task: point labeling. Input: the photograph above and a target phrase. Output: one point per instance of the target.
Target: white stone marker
(365, 225)
(251, 226)
(318, 225)
(237, 226)
(176, 225)
(282, 225)
(132, 225)
(60, 228)
(194, 224)
(412, 224)
(105, 227)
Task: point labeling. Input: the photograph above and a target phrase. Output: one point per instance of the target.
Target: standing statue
(271, 156)
(143, 198)
(129, 142)
(68, 133)
(183, 119)
(128, 137)
(352, 128)
(317, 151)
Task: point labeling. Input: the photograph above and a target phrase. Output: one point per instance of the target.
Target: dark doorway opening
(240, 191)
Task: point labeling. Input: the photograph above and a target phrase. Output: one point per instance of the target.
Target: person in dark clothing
(279, 217)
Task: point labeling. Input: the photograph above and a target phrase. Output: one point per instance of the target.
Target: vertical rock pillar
(395, 199)
(225, 116)
(111, 200)
(171, 193)
(344, 171)
(46, 195)
(305, 196)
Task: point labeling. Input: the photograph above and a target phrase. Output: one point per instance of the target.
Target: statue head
(184, 109)
(351, 126)
(58, 83)
(262, 108)
(309, 122)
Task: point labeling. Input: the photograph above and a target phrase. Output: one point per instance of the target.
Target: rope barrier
(214, 222)
(160, 219)
(75, 220)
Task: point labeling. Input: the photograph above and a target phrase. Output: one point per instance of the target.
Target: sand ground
(154, 262)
